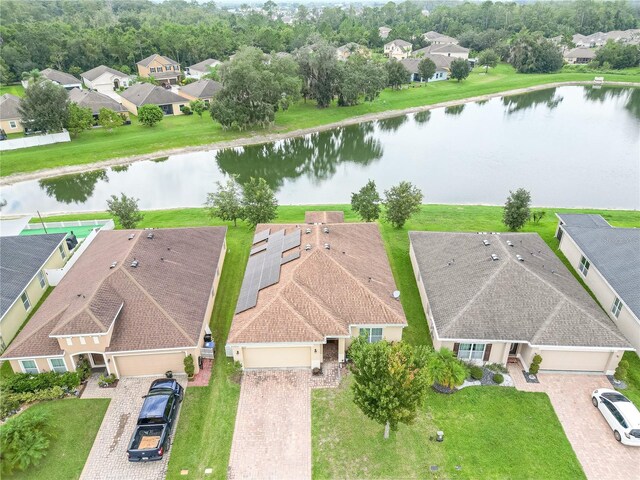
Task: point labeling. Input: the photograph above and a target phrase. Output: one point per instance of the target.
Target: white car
(622, 416)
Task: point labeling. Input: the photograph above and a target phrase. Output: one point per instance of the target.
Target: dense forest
(74, 36)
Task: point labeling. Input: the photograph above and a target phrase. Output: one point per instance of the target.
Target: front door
(513, 351)
(97, 360)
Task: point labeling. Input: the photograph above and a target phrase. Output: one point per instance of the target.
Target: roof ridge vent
(486, 242)
(396, 295)
(520, 258)
(325, 229)
(308, 231)
(150, 236)
(494, 257)
(131, 236)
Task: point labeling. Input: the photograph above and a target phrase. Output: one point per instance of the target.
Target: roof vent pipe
(131, 236)
(486, 242)
(150, 236)
(510, 243)
(308, 231)
(520, 258)
(327, 246)
(396, 295)
(494, 257)
(134, 264)
(113, 265)
(325, 229)
(307, 246)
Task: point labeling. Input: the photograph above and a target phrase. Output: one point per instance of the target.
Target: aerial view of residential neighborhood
(319, 239)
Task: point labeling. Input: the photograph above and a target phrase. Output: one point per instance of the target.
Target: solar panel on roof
(290, 257)
(260, 236)
(258, 249)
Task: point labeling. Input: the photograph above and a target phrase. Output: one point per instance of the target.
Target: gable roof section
(21, 258)
(146, 93)
(94, 100)
(536, 300)
(438, 37)
(332, 216)
(94, 73)
(9, 107)
(205, 88)
(444, 49)
(583, 220)
(161, 58)
(59, 77)
(204, 65)
(324, 291)
(443, 62)
(580, 52)
(159, 304)
(399, 43)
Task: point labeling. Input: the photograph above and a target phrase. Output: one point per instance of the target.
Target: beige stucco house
(105, 79)
(343, 52)
(398, 49)
(23, 280)
(204, 90)
(579, 55)
(200, 69)
(136, 302)
(63, 79)
(308, 290)
(10, 118)
(163, 69)
(608, 260)
(147, 94)
(436, 38)
(507, 297)
(384, 32)
(96, 101)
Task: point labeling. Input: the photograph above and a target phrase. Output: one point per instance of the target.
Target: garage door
(277, 357)
(156, 364)
(574, 361)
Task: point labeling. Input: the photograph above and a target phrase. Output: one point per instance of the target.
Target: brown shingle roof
(324, 217)
(163, 300)
(9, 105)
(161, 58)
(324, 291)
(146, 93)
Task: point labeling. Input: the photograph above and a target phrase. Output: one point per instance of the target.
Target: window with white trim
(152, 70)
(159, 69)
(12, 124)
(616, 307)
(69, 341)
(29, 366)
(57, 365)
(584, 265)
(63, 254)
(25, 301)
(42, 279)
(371, 334)
(96, 340)
(471, 351)
(82, 341)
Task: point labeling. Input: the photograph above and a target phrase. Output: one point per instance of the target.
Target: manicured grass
(16, 89)
(181, 131)
(490, 433)
(633, 378)
(75, 423)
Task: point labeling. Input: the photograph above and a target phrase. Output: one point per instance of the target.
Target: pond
(570, 146)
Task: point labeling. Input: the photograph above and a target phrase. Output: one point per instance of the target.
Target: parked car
(3, 134)
(620, 413)
(150, 439)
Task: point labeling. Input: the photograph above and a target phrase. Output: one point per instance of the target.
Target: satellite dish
(396, 294)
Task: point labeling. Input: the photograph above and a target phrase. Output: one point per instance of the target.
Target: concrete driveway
(108, 457)
(600, 455)
(272, 436)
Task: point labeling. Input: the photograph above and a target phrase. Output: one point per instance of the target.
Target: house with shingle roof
(96, 101)
(10, 118)
(398, 49)
(204, 89)
(608, 261)
(436, 38)
(579, 55)
(308, 290)
(136, 302)
(24, 260)
(502, 297)
(200, 69)
(343, 52)
(384, 32)
(442, 63)
(446, 50)
(63, 79)
(163, 69)
(105, 79)
(147, 94)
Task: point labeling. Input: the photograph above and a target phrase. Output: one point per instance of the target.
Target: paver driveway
(272, 437)
(108, 457)
(600, 455)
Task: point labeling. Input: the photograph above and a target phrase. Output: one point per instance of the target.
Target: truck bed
(146, 442)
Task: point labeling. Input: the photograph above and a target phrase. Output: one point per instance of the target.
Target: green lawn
(76, 423)
(181, 131)
(490, 433)
(16, 89)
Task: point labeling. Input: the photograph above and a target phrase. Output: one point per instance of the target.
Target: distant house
(579, 55)
(10, 118)
(147, 94)
(200, 69)
(163, 69)
(96, 101)
(398, 49)
(447, 49)
(442, 63)
(204, 89)
(506, 297)
(598, 39)
(105, 79)
(345, 51)
(23, 260)
(608, 260)
(436, 38)
(384, 32)
(63, 79)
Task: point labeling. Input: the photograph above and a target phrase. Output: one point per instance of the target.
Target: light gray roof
(204, 88)
(444, 49)
(146, 93)
(614, 251)
(21, 257)
(94, 100)
(59, 77)
(96, 72)
(9, 107)
(536, 300)
(204, 65)
(439, 37)
(399, 43)
(146, 61)
(442, 61)
(580, 52)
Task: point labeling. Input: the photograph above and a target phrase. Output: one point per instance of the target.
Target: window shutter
(456, 347)
(487, 352)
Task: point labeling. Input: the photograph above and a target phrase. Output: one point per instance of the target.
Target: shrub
(25, 441)
(83, 368)
(621, 371)
(8, 405)
(498, 378)
(46, 394)
(189, 367)
(186, 110)
(496, 368)
(534, 368)
(476, 372)
(150, 115)
(537, 359)
(26, 382)
(106, 381)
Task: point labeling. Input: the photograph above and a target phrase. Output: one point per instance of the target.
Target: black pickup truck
(150, 439)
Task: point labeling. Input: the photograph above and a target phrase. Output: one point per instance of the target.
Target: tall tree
(366, 202)
(150, 115)
(198, 106)
(79, 119)
(426, 69)
(320, 71)
(125, 209)
(259, 203)
(226, 202)
(44, 107)
(109, 119)
(488, 59)
(532, 53)
(401, 202)
(517, 209)
(360, 77)
(460, 69)
(389, 380)
(397, 74)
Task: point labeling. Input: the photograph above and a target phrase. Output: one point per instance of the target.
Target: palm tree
(445, 369)
(32, 76)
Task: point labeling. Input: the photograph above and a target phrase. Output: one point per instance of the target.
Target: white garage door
(276, 357)
(574, 361)
(156, 364)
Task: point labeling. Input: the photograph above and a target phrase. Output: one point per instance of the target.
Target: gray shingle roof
(21, 257)
(614, 251)
(9, 107)
(536, 300)
(582, 220)
(439, 37)
(580, 52)
(400, 43)
(59, 77)
(96, 72)
(204, 65)
(442, 62)
(146, 61)
(204, 88)
(94, 100)
(146, 93)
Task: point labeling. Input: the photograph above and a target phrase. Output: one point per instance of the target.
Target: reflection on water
(570, 146)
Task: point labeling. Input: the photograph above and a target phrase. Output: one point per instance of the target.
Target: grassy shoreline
(189, 131)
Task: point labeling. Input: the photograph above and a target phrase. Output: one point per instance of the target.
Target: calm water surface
(570, 146)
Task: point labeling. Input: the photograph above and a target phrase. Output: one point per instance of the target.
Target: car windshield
(615, 397)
